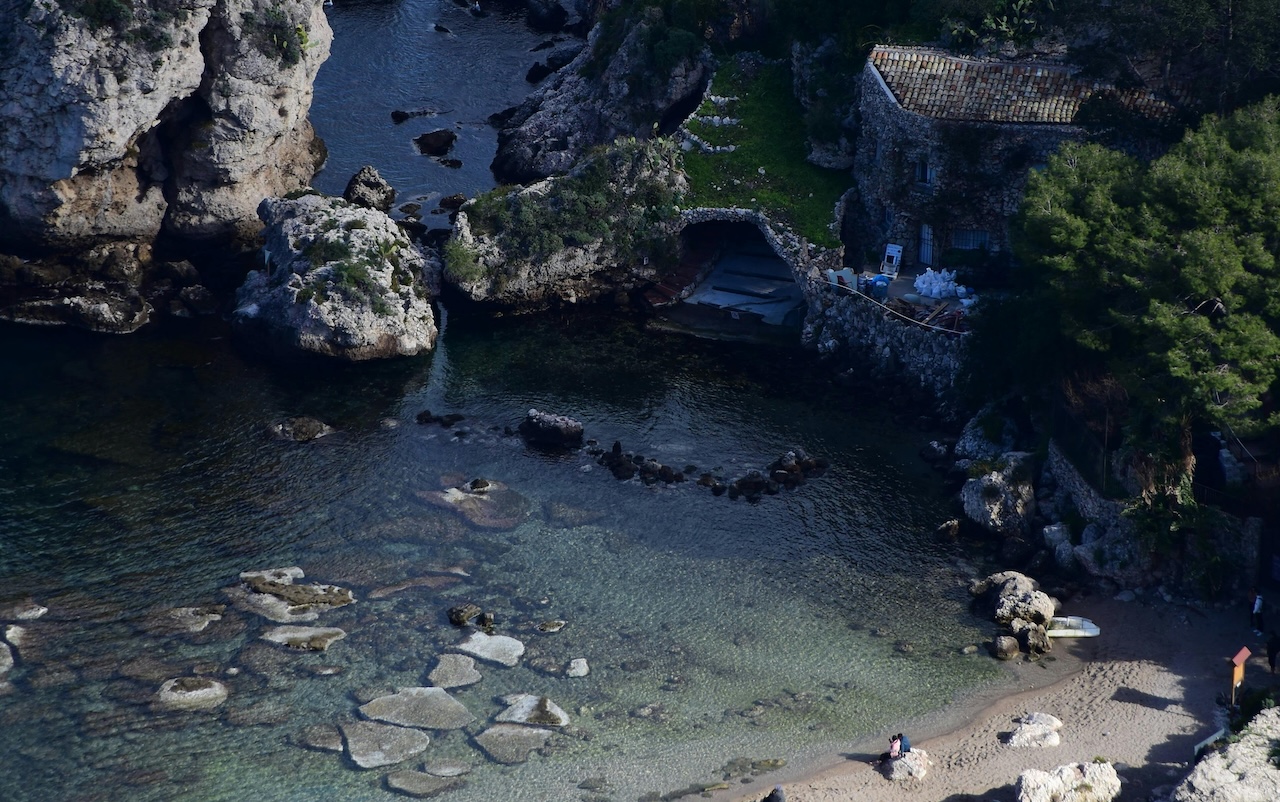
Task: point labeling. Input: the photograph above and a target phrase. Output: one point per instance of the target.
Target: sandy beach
(1141, 695)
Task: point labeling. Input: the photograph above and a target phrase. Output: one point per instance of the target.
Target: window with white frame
(970, 239)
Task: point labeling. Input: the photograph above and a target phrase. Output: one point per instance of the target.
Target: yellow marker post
(1237, 671)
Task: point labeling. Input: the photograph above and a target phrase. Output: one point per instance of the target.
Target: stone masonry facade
(946, 143)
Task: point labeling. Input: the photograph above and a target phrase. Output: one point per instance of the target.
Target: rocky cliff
(127, 120)
(626, 81)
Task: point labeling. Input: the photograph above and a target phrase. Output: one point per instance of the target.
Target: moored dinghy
(1072, 626)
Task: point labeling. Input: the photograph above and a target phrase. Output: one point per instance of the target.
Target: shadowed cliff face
(179, 119)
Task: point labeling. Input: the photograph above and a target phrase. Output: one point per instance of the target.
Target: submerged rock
(188, 620)
(21, 610)
(447, 768)
(454, 671)
(300, 429)
(427, 708)
(6, 658)
(485, 503)
(310, 639)
(420, 784)
(577, 668)
(273, 595)
(191, 693)
(511, 743)
(371, 744)
(320, 738)
(499, 649)
(527, 708)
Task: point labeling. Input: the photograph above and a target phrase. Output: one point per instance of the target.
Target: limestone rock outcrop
(578, 237)
(113, 130)
(1002, 500)
(594, 100)
(1076, 782)
(1243, 771)
(1014, 596)
(342, 281)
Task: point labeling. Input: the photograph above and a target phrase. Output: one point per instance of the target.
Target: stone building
(946, 143)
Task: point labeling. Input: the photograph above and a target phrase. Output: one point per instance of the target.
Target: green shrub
(322, 251)
(461, 262)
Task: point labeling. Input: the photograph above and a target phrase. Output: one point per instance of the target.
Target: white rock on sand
(1036, 730)
(1077, 782)
(1242, 772)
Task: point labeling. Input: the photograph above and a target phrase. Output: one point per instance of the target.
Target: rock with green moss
(274, 595)
(340, 281)
(601, 229)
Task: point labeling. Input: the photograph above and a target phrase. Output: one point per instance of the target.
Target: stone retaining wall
(841, 322)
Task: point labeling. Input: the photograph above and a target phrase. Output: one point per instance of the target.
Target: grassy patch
(769, 137)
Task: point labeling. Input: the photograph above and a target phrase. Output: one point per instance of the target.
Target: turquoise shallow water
(136, 475)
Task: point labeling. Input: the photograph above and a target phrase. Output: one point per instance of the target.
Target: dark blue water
(388, 56)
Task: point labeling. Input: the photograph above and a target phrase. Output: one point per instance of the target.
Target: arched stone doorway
(729, 284)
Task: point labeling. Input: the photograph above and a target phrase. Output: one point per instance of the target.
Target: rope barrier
(893, 311)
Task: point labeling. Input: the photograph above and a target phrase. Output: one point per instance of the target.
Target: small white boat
(1072, 626)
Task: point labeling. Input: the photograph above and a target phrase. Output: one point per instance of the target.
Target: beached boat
(1071, 626)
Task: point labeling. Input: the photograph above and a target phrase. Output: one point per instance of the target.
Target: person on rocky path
(1273, 650)
(1255, 617)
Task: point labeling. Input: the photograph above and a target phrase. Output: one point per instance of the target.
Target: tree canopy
(1162, 276)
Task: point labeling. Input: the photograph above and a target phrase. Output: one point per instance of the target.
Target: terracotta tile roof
(945, 87)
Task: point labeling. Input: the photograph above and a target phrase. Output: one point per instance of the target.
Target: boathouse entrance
(729, 284)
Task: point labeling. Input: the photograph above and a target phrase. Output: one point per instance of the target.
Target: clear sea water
(137, 475)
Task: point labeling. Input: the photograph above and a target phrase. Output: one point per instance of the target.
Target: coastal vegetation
(617, 199)
(767, 168)
(1150, 290)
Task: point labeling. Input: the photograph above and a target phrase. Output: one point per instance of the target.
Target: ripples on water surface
(388, 56)
(135, 475)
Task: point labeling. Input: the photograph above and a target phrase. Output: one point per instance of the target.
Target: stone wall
(840, 320)
(954, 176)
